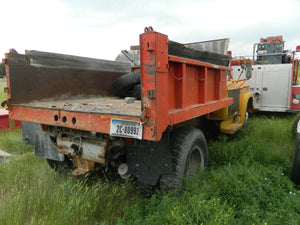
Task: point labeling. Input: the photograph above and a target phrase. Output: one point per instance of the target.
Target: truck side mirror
(248, 74)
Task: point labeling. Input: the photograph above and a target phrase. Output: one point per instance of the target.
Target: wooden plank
(101, 105)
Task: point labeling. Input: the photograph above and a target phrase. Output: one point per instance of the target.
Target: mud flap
(44, 146)
(148, 160)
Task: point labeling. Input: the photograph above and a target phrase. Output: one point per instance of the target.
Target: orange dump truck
(82, 124)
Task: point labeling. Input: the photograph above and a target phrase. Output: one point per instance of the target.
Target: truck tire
(296, 164)
(60, 165)
(189, 153)
(123, 85)
(136, 92)
(146, 190)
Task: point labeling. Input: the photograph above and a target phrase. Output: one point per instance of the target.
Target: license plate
(126, 128)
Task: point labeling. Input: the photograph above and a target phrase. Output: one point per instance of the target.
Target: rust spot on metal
(151, 93)
(150, 71)
(101, 156)
(149, 65)
(84, 167)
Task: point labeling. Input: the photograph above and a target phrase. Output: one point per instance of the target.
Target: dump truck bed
(77, 92)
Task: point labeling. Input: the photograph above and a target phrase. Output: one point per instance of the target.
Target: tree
(2, 69)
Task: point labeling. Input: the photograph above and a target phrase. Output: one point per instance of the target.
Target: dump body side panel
(177, 89)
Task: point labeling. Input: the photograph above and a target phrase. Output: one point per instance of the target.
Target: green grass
(32, 193)
(12, 142)
(248, 182)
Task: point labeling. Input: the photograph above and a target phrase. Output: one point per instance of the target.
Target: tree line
(2, 70)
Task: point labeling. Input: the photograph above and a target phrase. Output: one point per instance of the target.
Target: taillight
(128, 140)
(45, 127)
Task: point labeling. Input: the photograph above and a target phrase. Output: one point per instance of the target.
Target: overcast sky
(100, 29)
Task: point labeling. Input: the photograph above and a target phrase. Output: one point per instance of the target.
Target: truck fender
(246, 105)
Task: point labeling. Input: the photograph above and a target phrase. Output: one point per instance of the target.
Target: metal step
(229, 127)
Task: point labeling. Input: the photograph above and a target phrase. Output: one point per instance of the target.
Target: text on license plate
(126, 128)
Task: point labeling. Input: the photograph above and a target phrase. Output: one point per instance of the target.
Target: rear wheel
(189, 154)
(146, 190)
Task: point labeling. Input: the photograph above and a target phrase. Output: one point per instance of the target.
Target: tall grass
(12, 142)
(32, 193)
(56, 199)
(267, 140)
(248, 182)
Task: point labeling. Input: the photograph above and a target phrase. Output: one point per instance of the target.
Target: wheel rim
(194, 161)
